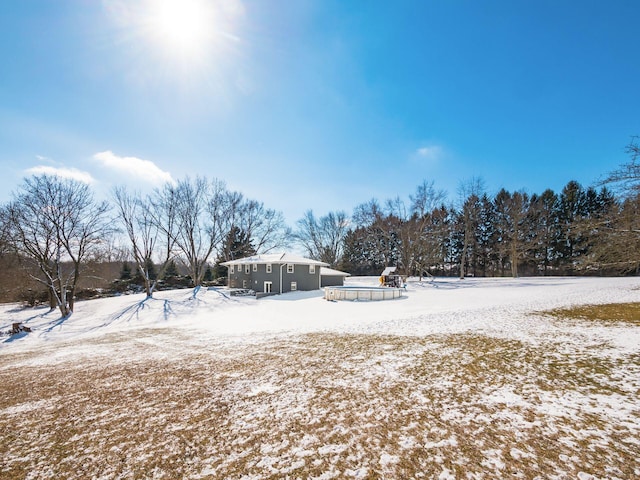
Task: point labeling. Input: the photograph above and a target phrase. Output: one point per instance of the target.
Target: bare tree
(615, 238)
(367, 213)
(4, 230)
(323, 238)
(56, 223)
(149, 234)
(403, 232)
(620, 250)
(626, 179)
(197, 215)
(265, 228)
(411, 227)
(372, 239)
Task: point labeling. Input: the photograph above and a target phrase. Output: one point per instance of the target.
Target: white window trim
(231, 269)
(255, 267)
(244, 284)
(268, 268)
(290, 268)
(246, 268)
(312, 269)
(294, 286)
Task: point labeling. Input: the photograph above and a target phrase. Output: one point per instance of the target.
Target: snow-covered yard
(458, 379)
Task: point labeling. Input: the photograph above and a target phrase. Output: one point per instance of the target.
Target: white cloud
(42, 158)
(431, 153)
(144, 170)
(62, 172)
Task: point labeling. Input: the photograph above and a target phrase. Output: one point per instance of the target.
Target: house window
(312, 269)
(244, 284)
(246, 268)
(267, 287)
(230, 268)
(255, 267)
(294, 286)
(268, 268)
(289, 267)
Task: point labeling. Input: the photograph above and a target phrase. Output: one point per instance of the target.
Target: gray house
(274, 273)
(331, 278)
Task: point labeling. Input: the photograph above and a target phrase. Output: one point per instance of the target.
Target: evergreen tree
(502, 203)
(237, 245)
(546, 230)
(149, 272)
(125, 271)
(360, 256)
(442, 230)
(151, 269)
(468, 224)
(171, 270)
(208, 274)
(487, 237)
(571, 211)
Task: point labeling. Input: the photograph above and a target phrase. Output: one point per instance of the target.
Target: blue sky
(319, 104)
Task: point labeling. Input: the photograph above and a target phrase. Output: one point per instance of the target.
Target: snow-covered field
(458, 379)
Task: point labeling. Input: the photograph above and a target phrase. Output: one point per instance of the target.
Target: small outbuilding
(332, 278)
(274, 273)
(388, 278)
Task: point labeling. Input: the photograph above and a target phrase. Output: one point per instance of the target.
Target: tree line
(577, 231)
(53, 229)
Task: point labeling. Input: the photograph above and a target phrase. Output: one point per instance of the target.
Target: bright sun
(183, 27)
(183, 39)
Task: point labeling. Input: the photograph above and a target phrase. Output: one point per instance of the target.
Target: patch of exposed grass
(324, 406)
(612, 313)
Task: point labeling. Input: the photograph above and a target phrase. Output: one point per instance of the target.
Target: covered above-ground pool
(362, 293)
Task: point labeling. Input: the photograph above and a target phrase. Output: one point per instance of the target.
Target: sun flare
(182, 27)
(189, 41)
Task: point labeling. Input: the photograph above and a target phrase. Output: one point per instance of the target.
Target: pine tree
(238, 244)
(544, 221)
(125, 272)
(171, 271)
(151, 269)
(571, 212)
(208, 274)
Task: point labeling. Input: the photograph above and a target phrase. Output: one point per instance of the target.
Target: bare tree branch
(56, 223)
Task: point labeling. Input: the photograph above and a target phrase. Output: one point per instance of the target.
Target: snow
(501, 307)
(392, 369)
(275, 258)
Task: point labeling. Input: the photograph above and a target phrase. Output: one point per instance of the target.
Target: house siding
(255, 280)
(238, 277)
(332, 280)
(301, 275)
(260, 276)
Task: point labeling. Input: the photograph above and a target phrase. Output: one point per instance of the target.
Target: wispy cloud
(42, 158)
(62, 172)
(144, 170)
(430, 153)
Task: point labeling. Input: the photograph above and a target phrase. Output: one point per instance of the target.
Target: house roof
(275, 258)
(331, 272)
